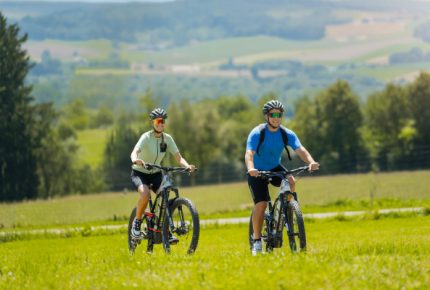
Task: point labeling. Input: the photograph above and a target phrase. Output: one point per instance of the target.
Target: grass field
(92, 142)
(388, 253)
(218, 51)
(316, 194)
(391, 72)
(68, 50)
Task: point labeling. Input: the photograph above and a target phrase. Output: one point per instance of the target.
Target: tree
(238, 116)
(36, 155)
(340, 119)
(76, 114)
(419, 98)
(329, 126)
(388, 126)
(117, 163)
(103, 117)
(305, 125)
(148, 103)
(18, 177)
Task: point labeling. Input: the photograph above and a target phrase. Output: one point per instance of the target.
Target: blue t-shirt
(271, 148)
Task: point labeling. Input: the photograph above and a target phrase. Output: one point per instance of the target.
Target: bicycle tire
(187, 227)
(132, 244)
(296, 227)
(277, 224)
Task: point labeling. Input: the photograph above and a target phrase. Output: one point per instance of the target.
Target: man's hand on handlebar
(313, 166)
(253, 172)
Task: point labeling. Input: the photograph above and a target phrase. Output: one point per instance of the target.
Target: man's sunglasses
(275, 115)
(158, 121)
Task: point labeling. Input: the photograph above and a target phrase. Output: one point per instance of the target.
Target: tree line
(388, 131)
(38, 149)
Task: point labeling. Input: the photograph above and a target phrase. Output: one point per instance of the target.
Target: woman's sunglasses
(158, 121)
(275, 115)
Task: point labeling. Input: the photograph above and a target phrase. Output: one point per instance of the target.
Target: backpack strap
(284, 135)
(285, 139)
(261, 127)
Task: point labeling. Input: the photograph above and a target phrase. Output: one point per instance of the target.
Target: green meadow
(386, 253)
(91, 146)
(338, 193)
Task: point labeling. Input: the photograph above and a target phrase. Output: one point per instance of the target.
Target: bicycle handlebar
(149, 166)
(282, 174)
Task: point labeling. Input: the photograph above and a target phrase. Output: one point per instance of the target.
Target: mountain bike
(168, 216)
(285, 212)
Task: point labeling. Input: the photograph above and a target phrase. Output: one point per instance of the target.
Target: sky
(90, 1)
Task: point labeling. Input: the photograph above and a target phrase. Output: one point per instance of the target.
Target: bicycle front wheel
(184, 236)
(296, 227)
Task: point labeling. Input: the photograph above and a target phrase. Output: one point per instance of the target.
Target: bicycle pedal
(138, 240)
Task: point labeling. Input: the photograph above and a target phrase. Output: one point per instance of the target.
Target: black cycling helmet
(273, 104)
(158, 113)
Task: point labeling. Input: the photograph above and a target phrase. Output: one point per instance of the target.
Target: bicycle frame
(167, 215)
(160, 208)
(274, 237)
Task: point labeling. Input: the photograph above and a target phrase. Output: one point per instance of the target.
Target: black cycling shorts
(260, 187)
(139, 178)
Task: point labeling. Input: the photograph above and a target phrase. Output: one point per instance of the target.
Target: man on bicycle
(267, 156)
(151, 147)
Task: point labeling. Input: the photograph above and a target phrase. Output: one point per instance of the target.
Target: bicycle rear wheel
(266, 237)
(132, 243)
(185, 235)
(296, 227)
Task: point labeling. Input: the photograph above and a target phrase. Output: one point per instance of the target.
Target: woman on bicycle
(266, 155)
(151, 147)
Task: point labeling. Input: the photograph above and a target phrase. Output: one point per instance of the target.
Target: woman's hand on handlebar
(191, 168)
(139, 162)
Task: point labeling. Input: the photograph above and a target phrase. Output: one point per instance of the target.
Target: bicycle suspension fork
(168, 204)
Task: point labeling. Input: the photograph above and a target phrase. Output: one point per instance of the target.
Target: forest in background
(45, 104)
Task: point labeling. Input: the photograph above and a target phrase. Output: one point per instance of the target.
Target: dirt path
(222, 221)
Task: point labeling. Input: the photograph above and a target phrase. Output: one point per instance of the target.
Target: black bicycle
(168, 216)
(285, 212)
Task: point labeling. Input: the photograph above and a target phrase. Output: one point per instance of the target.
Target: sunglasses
(158, 121)
(275, 115)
